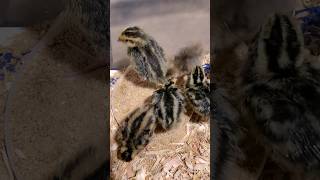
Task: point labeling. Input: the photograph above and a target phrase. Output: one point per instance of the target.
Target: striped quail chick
(136, 132)
(93, 17)
(187, 58)
(198, 90)
(281, 95)
(147, 56)
(88, 20)
(169, 104)
(164, 110)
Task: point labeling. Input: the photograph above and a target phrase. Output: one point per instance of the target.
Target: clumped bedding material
(180, 153)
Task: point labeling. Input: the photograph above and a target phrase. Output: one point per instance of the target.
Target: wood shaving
(141, 174)
(114, 147)
(130, 172)
(189, 164)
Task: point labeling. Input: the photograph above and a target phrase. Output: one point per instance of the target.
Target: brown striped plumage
(147, 56)
(280, 92)
(136, 132)
(198, 90)
(169, 104)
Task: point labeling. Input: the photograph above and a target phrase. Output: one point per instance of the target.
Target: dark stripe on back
(136, 124)
(158, 105)
(293, 46)
(159, 113)
(201, 74)
(153, 60)
(195, 76)
(125, 131)
(142, 137)
(274, 44)
(168, 99)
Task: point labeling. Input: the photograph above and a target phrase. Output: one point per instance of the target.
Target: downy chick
(147, 56)
(281, 95)
(136, 132)
(198, 90)
(169, 105)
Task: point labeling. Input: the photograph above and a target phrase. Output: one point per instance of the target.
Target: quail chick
(281, 95)
(198, 90)
(147, 56)
(92, 15)
(169, 105)
(136, 132)
(91, 18)
(187, 58)
(237, 21)
(84, 26)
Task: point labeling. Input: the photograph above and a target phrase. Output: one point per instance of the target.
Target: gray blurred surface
(173, 23)
(6, 34)
(25, 12)
(235, 20)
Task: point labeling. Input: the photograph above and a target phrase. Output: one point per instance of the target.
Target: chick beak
(121, 39)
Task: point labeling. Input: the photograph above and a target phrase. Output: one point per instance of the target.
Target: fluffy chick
(147, 56)
(198, 90)
(92, 17)
(169, 105)
(136, 132)
(187, 58)
(281, 95)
